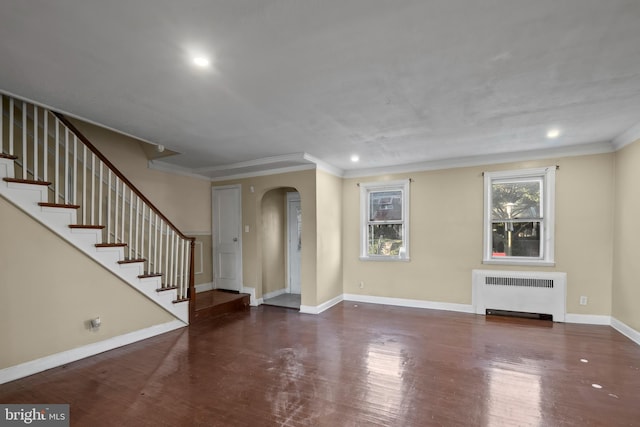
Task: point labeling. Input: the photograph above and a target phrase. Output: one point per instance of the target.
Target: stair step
(87, 227)
(8, 156)
(169, 288)
(111, 245)
(131, 261)
(26, 181)
(58, 205)
(144, 276)
(176, 301)
(215, 303)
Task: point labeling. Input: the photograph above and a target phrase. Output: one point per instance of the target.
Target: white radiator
(521, 291)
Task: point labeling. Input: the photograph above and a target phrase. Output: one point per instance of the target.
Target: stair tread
(176, 301)
(131, 261)
(27, 181)
(111, 245)
(8, 156)
(169, 288)
(86, 226)
(143, 276)
(58, 205)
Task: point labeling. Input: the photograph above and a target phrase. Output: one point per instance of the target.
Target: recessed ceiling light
(355, 158)
(201, 61)
(553, 133)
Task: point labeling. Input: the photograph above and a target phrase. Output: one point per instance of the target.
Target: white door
(227, 235)
(294, 233)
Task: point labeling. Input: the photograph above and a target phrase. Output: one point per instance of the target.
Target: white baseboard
(625, 330)
(252, 296)
(588, 319)
(34, 366)
(414, 303)
(274, 293)
(203, 287)
(310, 309)
(257, 302)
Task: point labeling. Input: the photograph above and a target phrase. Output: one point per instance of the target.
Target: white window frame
(365, 190)
(547, 208)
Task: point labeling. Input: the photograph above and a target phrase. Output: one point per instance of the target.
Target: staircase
(53, 173)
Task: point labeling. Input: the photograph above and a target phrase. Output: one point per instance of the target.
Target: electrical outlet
(361, 285)
(583, 300)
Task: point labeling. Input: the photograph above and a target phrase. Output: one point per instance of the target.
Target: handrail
(78, 170)
(116, 171)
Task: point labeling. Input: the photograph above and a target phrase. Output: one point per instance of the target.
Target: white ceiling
(397, 82)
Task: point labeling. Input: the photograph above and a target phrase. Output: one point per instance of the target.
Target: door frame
(214, 246)
(292, 196)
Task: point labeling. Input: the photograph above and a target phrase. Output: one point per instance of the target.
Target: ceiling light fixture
(355, 158)
(553, 133)
(201, 61)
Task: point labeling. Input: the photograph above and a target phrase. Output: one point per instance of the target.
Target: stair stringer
(27, 196)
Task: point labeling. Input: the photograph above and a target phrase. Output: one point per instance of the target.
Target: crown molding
(175, 169)
(324, 166)
(265, 172)
(631, 135)
(461, 162)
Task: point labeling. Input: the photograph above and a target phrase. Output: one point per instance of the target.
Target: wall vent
(520, 291)
(519, 281)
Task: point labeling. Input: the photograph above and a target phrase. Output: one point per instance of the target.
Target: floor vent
(520, 292)
(521, 314)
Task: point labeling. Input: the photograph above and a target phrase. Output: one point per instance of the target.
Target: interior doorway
(281, 247)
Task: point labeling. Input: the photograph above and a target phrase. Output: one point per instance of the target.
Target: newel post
(191, 292)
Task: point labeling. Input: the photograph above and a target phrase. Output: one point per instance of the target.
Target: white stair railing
(50, 149)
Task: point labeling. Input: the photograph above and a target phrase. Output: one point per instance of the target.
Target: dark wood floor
(353, 365)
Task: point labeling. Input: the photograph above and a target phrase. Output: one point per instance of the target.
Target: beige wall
(626, 266)
(185, 201)
(446, 234)
(305, 183)
(48, 290)
(329, 205)
(273, 240)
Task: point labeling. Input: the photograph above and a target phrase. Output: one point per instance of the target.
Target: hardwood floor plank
(353, 365)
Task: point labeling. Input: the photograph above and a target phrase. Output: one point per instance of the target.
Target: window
(384, 219)
(519, 217)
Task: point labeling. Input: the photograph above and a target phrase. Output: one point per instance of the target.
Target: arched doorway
(281, 247)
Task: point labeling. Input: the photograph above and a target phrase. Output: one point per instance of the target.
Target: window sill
(384, 259)
(532, 263)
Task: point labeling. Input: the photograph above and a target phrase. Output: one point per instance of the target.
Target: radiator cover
(523, 291)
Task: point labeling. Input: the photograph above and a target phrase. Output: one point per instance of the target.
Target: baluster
(56, 170)
(100, 185)
(155, 243)
(122, 216)
(66, 165)
(149, 250)
(11, 123)
(109, 206)
(115, 212)
(174, 258)
(137, 234)
(159, 268)
(35, 142)
(25, 158)
(45, 147)
(84, 184)
(93, 187)
(75, 170)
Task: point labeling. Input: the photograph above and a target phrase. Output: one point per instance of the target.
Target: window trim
(548, 176)
(365, 190)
